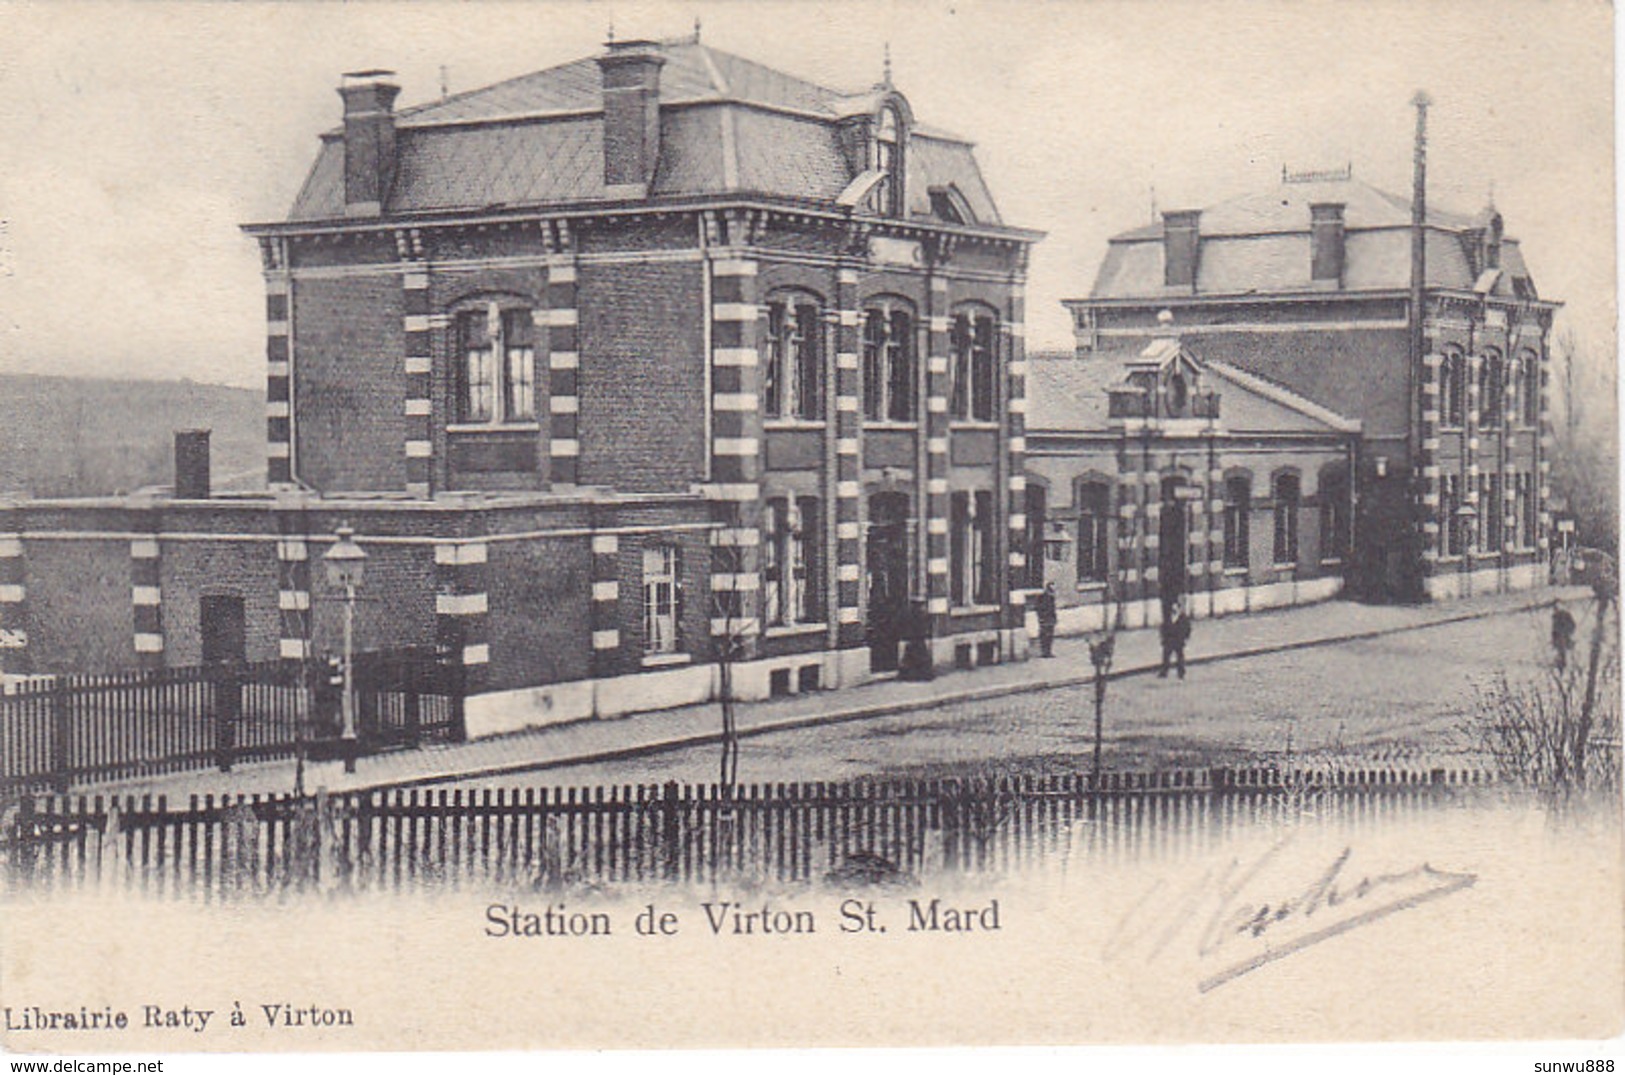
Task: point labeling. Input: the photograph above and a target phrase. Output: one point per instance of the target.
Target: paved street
(1361, 683)
(1397, 698)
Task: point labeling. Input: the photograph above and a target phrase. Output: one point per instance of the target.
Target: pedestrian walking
(1046, 621)
(1176, 631)
(1562, 634)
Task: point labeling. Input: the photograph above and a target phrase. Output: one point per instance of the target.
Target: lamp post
(346, 565)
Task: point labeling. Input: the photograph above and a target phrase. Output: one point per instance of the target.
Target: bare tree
(1585, 452)
(1558, 733)
(1102, 648)
(731, 626)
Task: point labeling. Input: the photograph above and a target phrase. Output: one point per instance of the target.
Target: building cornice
(1186, 299)
(597, 210)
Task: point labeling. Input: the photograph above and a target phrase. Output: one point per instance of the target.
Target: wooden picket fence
(57, 731)
(786, 833)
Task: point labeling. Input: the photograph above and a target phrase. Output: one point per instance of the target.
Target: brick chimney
(1180, 234)
(1326, 243)
(369, 140)
(191, 464)
(631, 76)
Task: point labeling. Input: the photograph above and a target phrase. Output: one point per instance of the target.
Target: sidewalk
(1138, 653)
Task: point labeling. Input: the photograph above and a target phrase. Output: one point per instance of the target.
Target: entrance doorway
(1171, 541)
(888, 575)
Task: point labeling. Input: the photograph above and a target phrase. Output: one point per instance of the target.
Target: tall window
(889, 162)
(1490, 390)
(791, 569)
(1492, 513)
(791, 377)
(1286, 518)
(888, 364)
(971, 548)
(496, 369)
(1335, 531)
(1238, 510)
(660, 599)
(1528, 513)
(1094, 515)
(1450, 514)
(1529, 393)
(1452, 389)
(975, 367)
(1035, 505)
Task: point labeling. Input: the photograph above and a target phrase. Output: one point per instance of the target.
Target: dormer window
(1179, 395)
(888, 161)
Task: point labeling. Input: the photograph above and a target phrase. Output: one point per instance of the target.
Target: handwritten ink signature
(1224, 912)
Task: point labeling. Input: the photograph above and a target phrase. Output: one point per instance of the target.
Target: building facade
(1422, 325)
(1156, 476)
(666, 348)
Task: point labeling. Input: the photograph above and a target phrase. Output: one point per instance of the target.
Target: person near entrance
(1046, 621)
(1176, 631)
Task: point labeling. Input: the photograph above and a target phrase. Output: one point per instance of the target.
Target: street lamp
(346, 565)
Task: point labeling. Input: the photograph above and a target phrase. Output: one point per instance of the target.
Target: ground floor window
(1287, 498)
(1238, 508)
(791, 546)
(1094, 514)
(1492, 513)
(1528, 513)
(660, 599)
(1450, 515)
(971, 548)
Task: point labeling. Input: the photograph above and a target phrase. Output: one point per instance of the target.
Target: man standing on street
(1046, 621)
(1176, 631)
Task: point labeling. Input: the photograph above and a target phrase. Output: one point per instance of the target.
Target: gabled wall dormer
(1166, 386)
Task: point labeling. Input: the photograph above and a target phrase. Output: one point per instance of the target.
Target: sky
(136, 138)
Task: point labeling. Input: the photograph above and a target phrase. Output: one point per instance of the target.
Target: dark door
(888, 578)
(225, 636)
(1171, 541)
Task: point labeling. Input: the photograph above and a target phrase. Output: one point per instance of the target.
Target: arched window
(888, 363)
(1094, 519)
(1529, 394)
(495, 364)
(1238, 509)
(1035, 505)
(1335, 513)
(1287, 496)
(974, 366)
(888, 154)
(1490, 388)
(791, 375)
(1452, 389)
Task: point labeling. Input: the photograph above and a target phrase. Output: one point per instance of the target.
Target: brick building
(1424, 326)
(614, 359)
(1154, 474)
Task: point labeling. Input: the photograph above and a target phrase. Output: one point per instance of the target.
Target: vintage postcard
(649, 525)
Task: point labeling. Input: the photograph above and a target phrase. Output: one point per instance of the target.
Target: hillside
(68, 436)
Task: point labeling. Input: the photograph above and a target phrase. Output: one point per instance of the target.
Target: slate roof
(1259, 244)
(727, 125)
(1067, 394)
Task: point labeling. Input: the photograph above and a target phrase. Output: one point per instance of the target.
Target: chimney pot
(369, 140)
(1181, 232)
(191, 464)
(1326, 245)
(630, 71)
